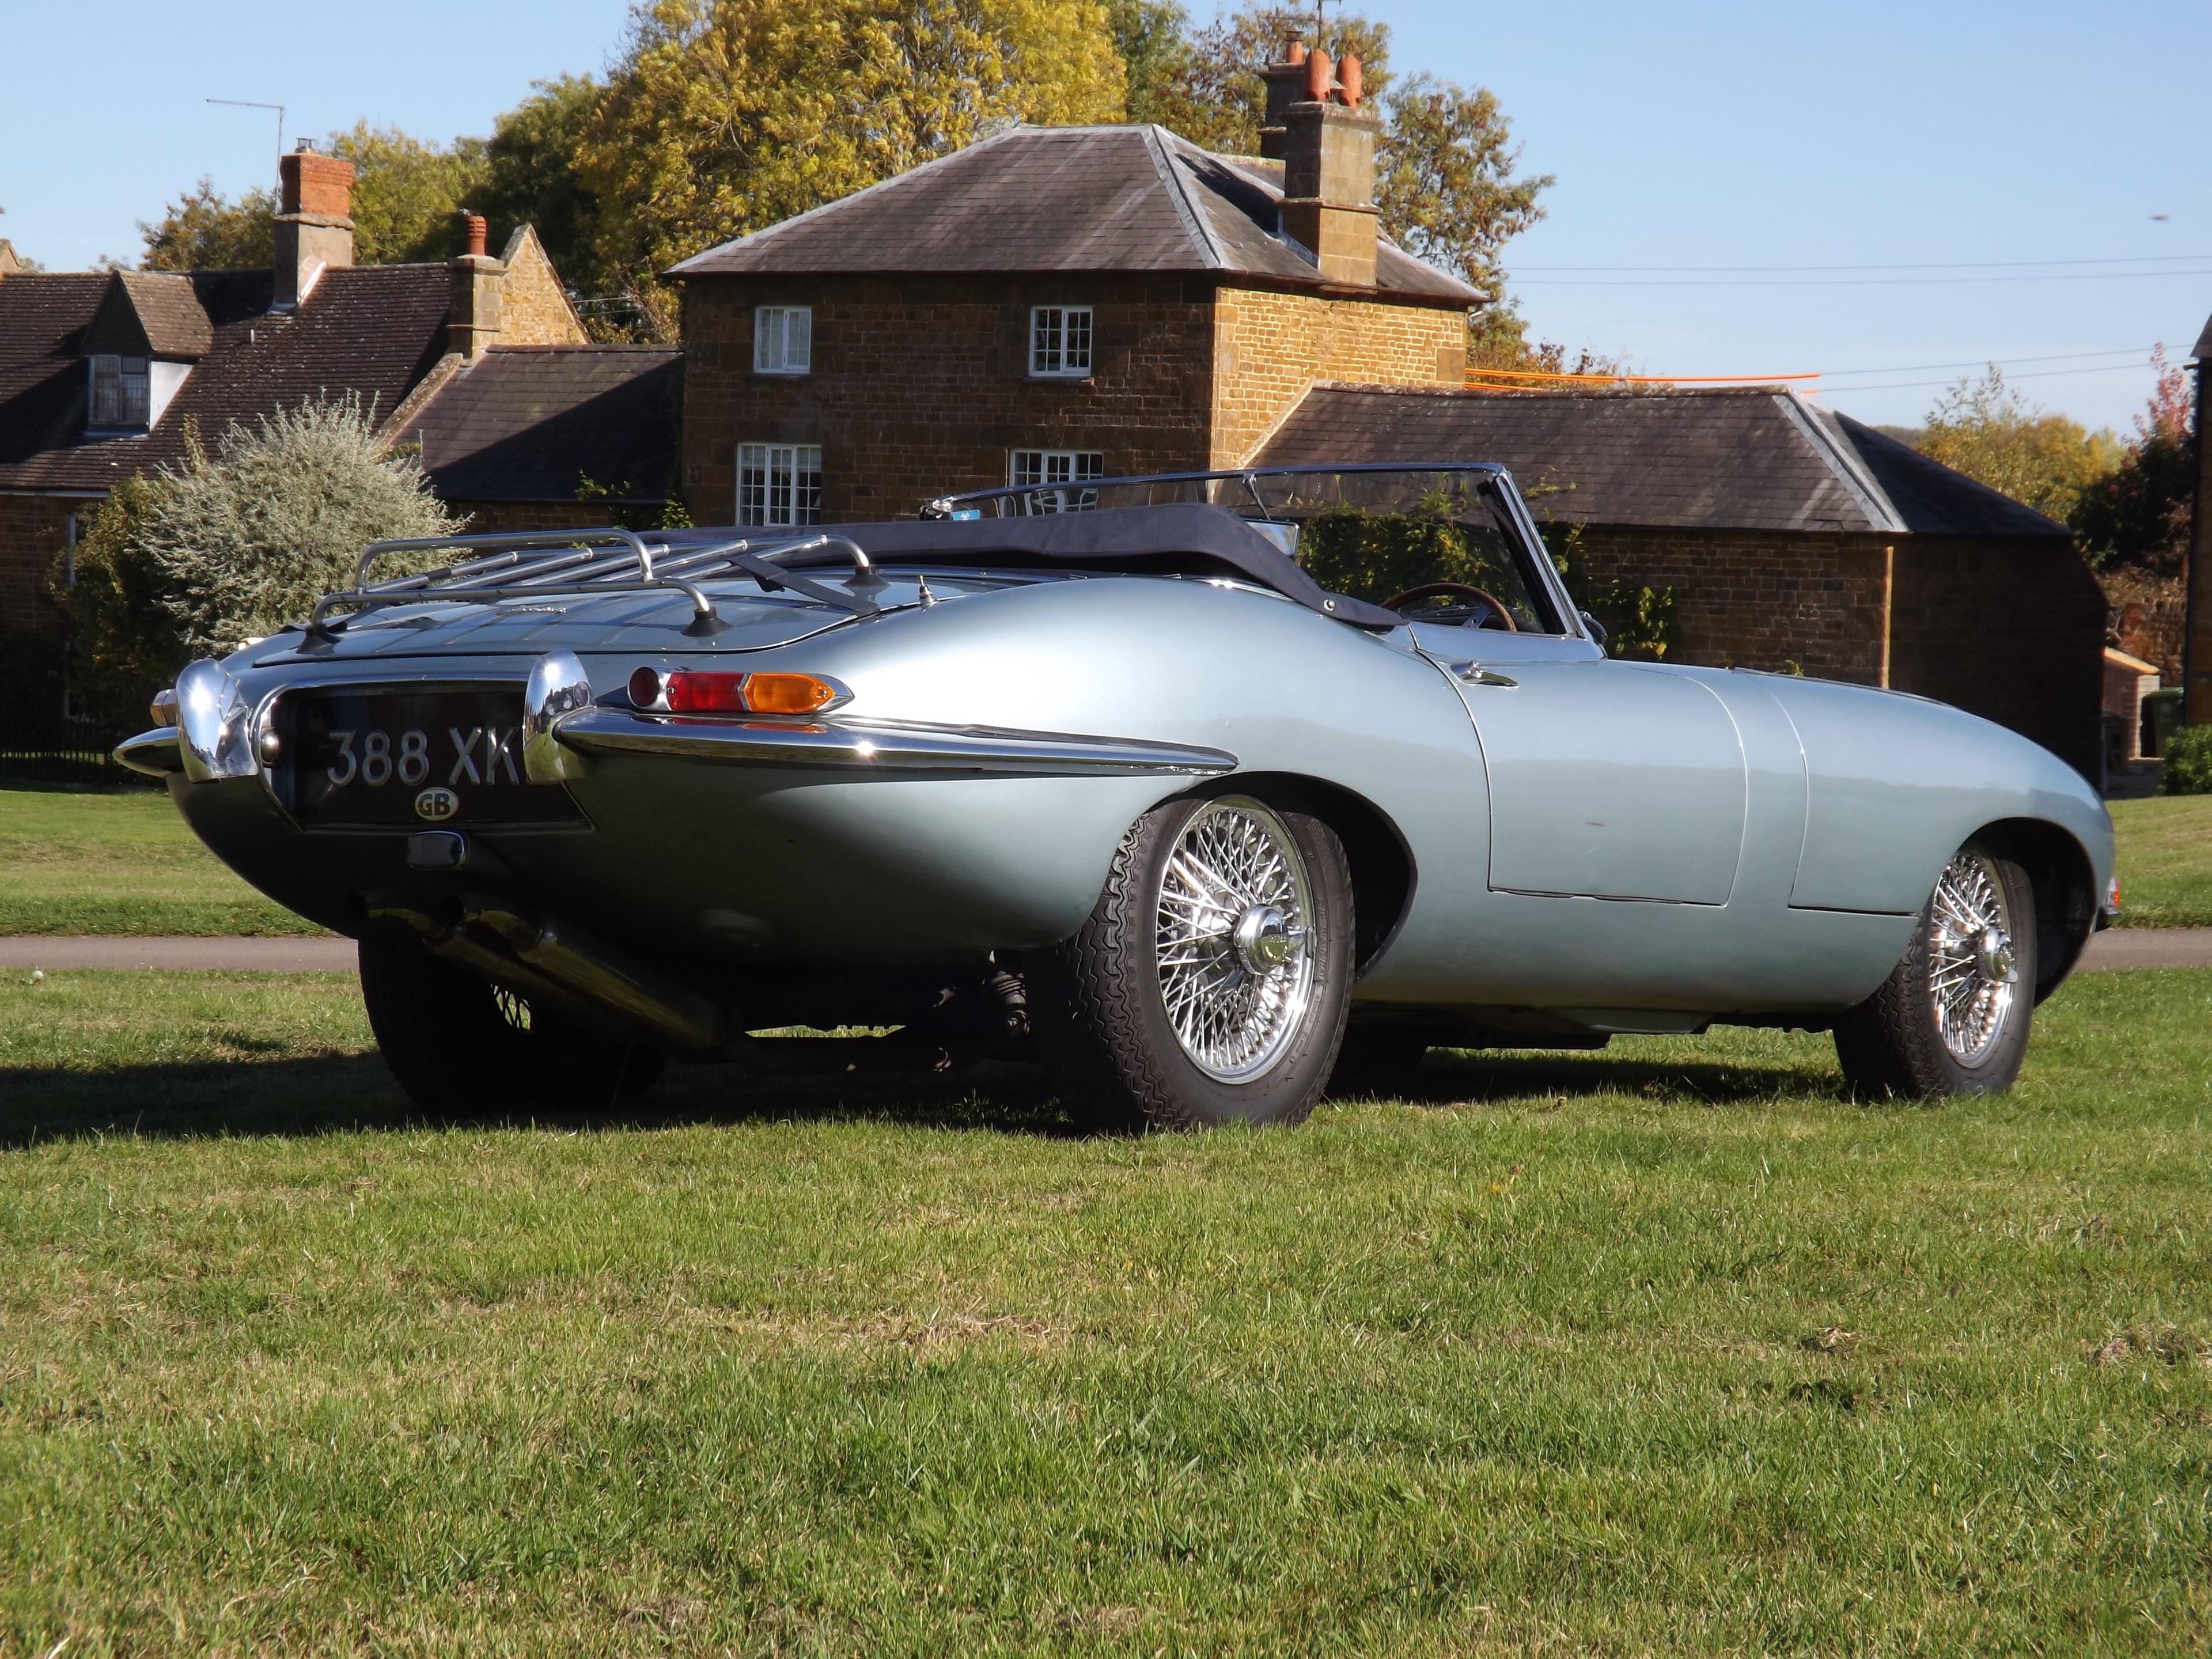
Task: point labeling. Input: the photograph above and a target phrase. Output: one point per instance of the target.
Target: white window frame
(783, 339)
(779, 483)
(1047, 474)
(1061, 342)
(119, 396)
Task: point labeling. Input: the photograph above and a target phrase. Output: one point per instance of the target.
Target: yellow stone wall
(1269, 348)
(535, 310)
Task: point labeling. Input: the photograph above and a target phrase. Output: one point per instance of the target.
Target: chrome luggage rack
(595, 562)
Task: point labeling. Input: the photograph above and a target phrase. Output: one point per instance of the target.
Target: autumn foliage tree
(725, 116)
(2137, 515)
(1986, 430)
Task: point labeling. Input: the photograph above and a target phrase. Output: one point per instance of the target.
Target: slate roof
(1752, 459)
(372, 329)
(1063, 199)
(2202, 351)
(528, 423)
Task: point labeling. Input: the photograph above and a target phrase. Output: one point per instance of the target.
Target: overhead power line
(1918, 265)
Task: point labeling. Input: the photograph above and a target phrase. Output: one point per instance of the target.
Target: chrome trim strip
(883, 746)
(156, 753)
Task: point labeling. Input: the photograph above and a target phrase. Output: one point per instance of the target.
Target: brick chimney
(1328, 167)
(314, 232)
(479, 294)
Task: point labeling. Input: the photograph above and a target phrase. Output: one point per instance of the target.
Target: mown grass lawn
(121, 864)
(2165, 861)
(1673, 1348)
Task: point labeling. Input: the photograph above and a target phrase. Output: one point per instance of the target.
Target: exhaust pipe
(542, 956)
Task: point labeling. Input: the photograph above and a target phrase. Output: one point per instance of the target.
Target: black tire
(460, 1048)
(1100, 1013)
(1893, 1043)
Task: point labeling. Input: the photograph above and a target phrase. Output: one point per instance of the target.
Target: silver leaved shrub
(248, 537)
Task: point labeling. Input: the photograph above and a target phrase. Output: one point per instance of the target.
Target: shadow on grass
(332, 1093)
(1485, 1078)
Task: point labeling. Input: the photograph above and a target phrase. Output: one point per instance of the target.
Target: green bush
(193, 559)
(2188, 757)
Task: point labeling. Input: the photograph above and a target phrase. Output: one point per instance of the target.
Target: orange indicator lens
(788, 693)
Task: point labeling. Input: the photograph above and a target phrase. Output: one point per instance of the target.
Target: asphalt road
(2126, 947)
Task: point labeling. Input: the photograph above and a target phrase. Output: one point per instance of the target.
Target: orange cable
(1641, 380)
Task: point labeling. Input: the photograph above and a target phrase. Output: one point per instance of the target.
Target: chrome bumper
(157, 753)
(883, 746)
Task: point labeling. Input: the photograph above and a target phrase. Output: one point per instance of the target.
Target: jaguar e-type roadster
(1121, 773)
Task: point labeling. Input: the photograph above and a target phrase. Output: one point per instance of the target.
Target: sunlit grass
(1674, 1347)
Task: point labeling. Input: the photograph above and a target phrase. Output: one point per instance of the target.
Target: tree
(203, 230)
(530, 179)
(2137, 515)
(190, 562)
(1444, 179)
(1985, 430)
(406, 194)
(727, 115)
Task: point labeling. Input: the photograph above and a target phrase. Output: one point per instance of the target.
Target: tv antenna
(247, 103)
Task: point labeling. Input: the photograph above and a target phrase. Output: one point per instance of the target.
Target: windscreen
(1373, 533)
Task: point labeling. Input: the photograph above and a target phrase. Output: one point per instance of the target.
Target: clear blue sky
(1693, 135)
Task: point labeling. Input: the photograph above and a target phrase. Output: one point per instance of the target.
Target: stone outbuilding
(104, 374)
(1788, 537)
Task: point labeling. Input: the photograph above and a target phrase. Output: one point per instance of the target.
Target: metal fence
(57, 750)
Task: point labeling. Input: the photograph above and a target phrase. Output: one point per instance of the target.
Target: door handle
(1475, 674)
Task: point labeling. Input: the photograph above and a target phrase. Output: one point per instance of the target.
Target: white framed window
(783, 339)
(1048, 472)
(1060, 340)
(121, 389)
(779, 483)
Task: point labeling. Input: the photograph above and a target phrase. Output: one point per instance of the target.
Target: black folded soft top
(1182, 538)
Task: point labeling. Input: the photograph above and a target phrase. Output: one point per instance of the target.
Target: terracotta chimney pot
(1297, 54)
(479, 235)
(1318, 76)
(1348, 72)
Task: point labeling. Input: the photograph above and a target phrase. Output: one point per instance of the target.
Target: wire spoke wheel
(1972, 977)
(1234, 946)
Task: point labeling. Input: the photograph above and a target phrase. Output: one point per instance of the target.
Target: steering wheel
(1499, 616)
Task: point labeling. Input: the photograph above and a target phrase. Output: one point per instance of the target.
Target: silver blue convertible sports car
(1121, 773)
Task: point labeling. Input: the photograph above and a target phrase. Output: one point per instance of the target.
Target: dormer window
(121, 392)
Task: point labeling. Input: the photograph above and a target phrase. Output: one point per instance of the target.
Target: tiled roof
(371, 329)
(1751, 459)
(529, 423)
(1063, 199)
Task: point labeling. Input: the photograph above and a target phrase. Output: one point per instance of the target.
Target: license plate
(387, 758)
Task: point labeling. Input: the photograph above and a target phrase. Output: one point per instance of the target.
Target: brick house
(2196, 648)
(1791, 536)
(1051, 303)
(102, 373)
